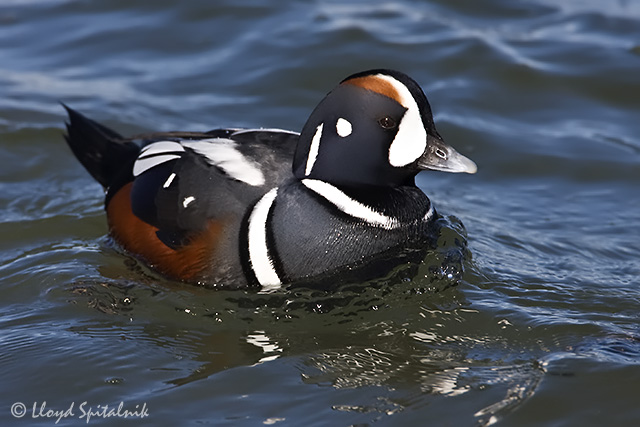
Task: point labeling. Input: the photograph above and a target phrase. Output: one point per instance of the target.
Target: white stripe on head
(343, 127)
(222, 152)
(313, 149)
(349, 206)
(411, 138)
(261, 262)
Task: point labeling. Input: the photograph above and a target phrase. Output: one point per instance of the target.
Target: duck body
(268, 207)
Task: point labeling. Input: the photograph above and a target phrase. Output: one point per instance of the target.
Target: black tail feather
(106, 155)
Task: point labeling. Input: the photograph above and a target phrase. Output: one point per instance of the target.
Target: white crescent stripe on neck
(261, 262)
(349, 206)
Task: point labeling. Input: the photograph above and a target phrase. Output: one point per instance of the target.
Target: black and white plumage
(268, 207)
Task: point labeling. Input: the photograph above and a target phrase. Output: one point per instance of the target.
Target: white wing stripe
(219, 152)
(222, 152)
(143, 164)
(273, 130)
(161, 147)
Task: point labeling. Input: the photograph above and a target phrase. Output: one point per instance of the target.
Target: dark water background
(543, 328)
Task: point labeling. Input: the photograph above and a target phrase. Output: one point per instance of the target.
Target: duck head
(375, 128)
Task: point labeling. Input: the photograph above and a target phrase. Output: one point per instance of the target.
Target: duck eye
(387, 122)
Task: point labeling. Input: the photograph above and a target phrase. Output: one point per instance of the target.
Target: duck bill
(442, 157)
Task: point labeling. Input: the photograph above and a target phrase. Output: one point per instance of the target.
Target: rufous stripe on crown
(376, 84)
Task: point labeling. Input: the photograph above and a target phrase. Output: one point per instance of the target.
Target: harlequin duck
(269, 207)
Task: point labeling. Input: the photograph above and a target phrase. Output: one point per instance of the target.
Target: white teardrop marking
(261, 262)
(343, 127)
(411, 138)
(313, 149)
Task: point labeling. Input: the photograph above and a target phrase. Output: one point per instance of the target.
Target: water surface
(542, 328)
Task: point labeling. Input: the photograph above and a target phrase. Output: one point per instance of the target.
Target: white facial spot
(313, 150)
(411, 139)
(187, 201)
(343, 127)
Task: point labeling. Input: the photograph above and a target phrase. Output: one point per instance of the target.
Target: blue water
(543, 328)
